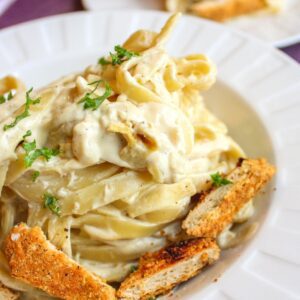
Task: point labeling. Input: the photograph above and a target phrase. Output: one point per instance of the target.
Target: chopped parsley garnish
(120, 55)
(102, 61)
(9, 96)
(29, 146)
(133, 268)
(32, 153)
(25, 114)
(35, 175)
(91, 100)
(28, 133)
(51, 203)
(4, 98)
(218, 180)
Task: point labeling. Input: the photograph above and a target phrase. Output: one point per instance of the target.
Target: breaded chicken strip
(160, 271)
(217, 208)
(36, 261)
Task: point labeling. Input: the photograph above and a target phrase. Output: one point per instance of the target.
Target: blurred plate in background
(280, 30)
(123, 4)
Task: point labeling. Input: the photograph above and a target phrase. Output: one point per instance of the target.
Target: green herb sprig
(35, 175)
(120, 55)
(133, 268)
(218, 180)
(4, 98)
(52, 203)
(26, 113)
(32, 153)
(28, 133)
(91, 100)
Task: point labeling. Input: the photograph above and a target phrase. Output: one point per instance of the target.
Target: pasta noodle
(127, 165)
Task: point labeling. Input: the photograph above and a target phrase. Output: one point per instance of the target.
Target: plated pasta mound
(104, 165)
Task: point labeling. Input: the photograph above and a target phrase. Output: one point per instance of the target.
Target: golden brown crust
(7, 294)
(248, 178)
(152, 277)
(34, 260)
(221, 11)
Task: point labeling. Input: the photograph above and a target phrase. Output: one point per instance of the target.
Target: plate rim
(151, 11)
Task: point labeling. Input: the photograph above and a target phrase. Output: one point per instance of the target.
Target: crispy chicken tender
(160, 271)
(36, 261)
(217, 208)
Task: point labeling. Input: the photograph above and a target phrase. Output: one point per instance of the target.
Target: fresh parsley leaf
(32, 153)
(91, 100)
(28, 133)
(4, 98)
(51, 203)
(29, 146)
(120, 55)
(133, 268)
(218, 180)
(25, 114)
(35, 175)
(48, 153)
(20, 117)
(9, 96)
(102, 61)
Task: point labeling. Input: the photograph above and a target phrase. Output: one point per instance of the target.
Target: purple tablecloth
(24, 10)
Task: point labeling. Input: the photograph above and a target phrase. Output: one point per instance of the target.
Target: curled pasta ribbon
(117, 251)
(170, 196)
(128, 85)
(8, 84)
(101, 227)
(150, 62)
(167, 29)
(140, 41)
(196, 71)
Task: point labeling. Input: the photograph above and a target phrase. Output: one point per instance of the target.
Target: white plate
(280, 30)
(257, 95)
(4, 4)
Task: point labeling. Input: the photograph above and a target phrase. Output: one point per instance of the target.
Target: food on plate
(36, 261)
(217, 208)
(221, 10)
(100, 168)
(160, 271)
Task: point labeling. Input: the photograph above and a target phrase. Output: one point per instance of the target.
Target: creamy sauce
(167, 127)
